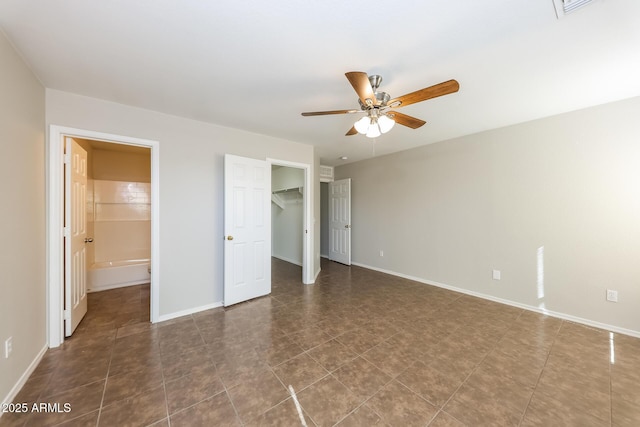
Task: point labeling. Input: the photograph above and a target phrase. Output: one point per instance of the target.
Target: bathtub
(118, 274)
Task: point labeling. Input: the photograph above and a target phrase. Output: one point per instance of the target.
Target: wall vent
(326, 173)
(564, 7)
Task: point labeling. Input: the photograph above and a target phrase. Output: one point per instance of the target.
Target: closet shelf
(287, 195)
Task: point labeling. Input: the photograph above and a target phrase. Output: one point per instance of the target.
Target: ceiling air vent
(567, 6)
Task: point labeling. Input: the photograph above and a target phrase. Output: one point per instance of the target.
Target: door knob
(347, 226)
(229, 237)
(88, 239)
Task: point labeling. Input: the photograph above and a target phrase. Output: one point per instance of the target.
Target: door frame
(308, 277)
(55, 221)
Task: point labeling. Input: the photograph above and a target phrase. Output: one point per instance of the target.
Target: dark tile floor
(359, 348)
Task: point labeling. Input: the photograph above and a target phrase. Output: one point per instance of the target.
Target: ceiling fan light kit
(380, 118)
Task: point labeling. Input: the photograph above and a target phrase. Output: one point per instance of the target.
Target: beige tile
(256, 395)
(143, 409)
(362, 417)
(132, 383)
(477, 359)
(433, 385)
(327, 401)
(397, 405)
(445, 420)
(234, 370)
(191, 389)
(310, 337)
(624, 412)
(475, 408)
(545, 411)
(488, 381)
(521, 368)
(283, 414)
(300, 372)
(388, 358)
(81, 400)
(359, 340)
(176, 365)
(214, 411)
(362, 377)
(332, 354)
(278, 350)
(88, 420)
(569, 398)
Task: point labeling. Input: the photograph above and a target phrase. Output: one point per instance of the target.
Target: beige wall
(111, 165)
(191, 186)
(453, 211)
(22, 218)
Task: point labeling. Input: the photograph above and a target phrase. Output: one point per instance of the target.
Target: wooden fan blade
(326, 113)
(403, 119)
(444, 88)
(362, 85)
(351, 131)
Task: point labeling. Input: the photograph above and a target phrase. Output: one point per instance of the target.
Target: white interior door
(75, 267)
(340, 221)
(247, 228)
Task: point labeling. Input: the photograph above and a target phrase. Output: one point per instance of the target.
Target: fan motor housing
(381, 97)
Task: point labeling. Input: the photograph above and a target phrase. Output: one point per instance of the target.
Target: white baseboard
(324, 256)
(559, 315)
(189, 311)
(24, 377)
(289, 260)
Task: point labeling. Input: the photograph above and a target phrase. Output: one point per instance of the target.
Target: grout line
(524, 413)
(106, 380)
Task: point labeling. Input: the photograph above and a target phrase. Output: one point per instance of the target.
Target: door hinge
(65, 232)
(67, 315)
(67, 158)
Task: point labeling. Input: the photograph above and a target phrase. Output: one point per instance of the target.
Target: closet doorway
(291, 215)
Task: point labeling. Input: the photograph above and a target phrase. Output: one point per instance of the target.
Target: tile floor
(359, 348)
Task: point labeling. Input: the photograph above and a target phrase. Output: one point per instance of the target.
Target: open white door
(340, 221)
(75, 220)
(247, 228)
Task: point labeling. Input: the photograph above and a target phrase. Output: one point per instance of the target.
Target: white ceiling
(257, 65)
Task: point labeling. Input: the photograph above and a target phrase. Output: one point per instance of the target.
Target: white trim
(307, 247)
(189, 311)
(551, 313)
(55, 241)
(24, 377)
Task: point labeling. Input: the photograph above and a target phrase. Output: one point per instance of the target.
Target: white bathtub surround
(122, 220)
(118, 274)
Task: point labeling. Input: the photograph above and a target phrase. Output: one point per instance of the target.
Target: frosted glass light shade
(374, 130)
(362, 125)
(385, 123)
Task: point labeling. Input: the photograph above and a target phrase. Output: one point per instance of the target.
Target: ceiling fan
(378, 107)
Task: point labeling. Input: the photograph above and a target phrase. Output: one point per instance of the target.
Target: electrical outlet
(496, 274)
(612, 295)
(8, 347)
(381, 252)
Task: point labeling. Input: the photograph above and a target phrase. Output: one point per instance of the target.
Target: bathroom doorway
(121, 232)
(115, 246)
